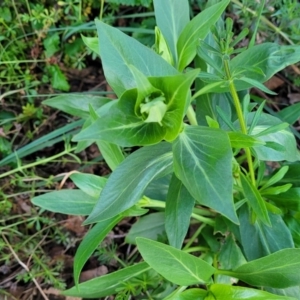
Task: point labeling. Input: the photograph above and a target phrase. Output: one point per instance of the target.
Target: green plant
(204, 159)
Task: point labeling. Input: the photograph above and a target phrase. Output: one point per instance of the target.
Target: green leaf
(276, 190)
(107, 285)
(89, 183)
(255, 200)
(259, 239)
(123, 125)
(277, 270)
(179, 207)
(171, 17)
(118, 51)
(240, 140)
(269, 58)
(52, 44)
(111, 153)
(195, 294)
(202, 152)
(284, 138)
(294, 227)
(127, 183)
(290, 114)
(76, 104)
(257, 84)
(175, 265)
(289, 199)
(230, 257)
(227, 292)
(275, 177)
(151, 226)
(196, 29)
(58, 79)
(70, 202)
(90, 242)
(92, 43)
(293, 291)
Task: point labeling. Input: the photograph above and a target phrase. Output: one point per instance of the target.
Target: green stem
(195, 235)
(101, 10)
(240, 114)
(191, 115)
(196, 249)
(162, 204)
(40, 162)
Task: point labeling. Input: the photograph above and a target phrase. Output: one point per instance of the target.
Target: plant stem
(191, 115)
(40, 162)
(195, 235)
(243, 125)
(162, 204)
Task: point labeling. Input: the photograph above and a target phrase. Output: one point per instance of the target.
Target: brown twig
(24, 266)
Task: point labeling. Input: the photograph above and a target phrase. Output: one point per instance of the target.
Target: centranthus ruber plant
(203, 160)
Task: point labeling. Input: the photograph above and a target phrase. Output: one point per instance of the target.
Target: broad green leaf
(92, 43)
(76, 104)
(171, 17)
(158, 189)
(259, 63)
(294, 226)
(290, 114)
(89, 183)
(240, 140)
(230, 257)
(203, 162)
(151, 226)
(277, 270)
(70, 202)
(227, 292)
(289, 199)
(259, 239)
(175, 265)
(127, 183)
(270, 58)
(118, 51)
(91, 241)
(107, 285)
(292, 175)
(293, 291)
(195, 294)
(111, 153)
(284, 138)
(122, 127)
(196, 29)
(255, 200)
(179, 207)
(122, 124)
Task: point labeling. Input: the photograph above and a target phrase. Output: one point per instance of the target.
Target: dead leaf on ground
(74, 224)
(90, 274)
(273, 83)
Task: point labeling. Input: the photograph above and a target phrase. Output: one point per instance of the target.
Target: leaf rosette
(145, 115)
